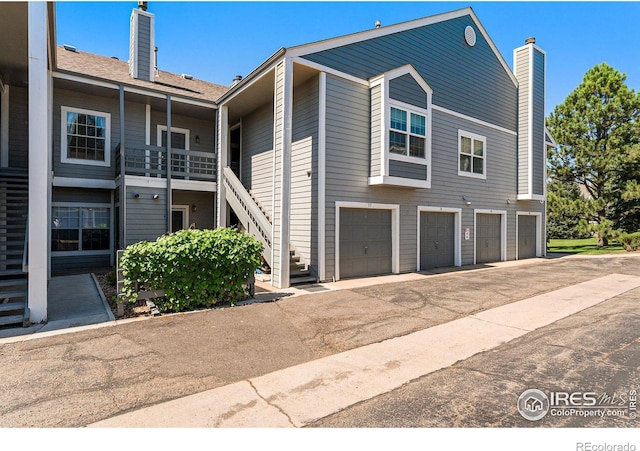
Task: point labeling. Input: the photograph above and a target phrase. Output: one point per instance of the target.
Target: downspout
(123, 186)
(169, 196)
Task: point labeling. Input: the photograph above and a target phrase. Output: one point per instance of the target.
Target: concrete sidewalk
(298, 395)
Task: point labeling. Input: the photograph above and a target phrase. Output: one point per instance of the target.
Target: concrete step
(302, 280)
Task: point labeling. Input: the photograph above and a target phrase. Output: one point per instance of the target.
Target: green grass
(587, 246)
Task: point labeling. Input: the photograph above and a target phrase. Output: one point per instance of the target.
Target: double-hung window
(407, 133)
(85, 137)
(80, 228)
(471, 155)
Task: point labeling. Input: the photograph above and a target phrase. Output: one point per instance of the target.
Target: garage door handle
(435, 244)
(365, 250)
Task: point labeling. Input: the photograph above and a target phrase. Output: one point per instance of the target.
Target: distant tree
(596, 128)
(565, 207)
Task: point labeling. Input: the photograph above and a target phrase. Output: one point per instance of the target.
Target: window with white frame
(471, 155)
(85, 137)
(407, 133)
(80, 228)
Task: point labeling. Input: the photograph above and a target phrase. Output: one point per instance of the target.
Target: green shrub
(195, 268)
(631, 241)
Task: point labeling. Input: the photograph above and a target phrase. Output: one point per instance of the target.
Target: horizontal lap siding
(469, 80)
(304, 147)
(376, 131)
(407, 170)
(146, 217)
(257, 155)
(203, 217)
(539, 147)
(73, 99)
(86, 262)
(522, 66)
(406, 89)
(204, 129)
(79, 195)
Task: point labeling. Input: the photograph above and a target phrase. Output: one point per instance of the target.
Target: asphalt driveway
(76, 379)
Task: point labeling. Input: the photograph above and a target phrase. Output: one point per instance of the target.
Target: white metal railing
(248, 212)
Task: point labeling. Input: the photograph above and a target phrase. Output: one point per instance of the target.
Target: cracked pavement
(76, 379)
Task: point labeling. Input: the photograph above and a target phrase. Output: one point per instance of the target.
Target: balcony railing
(151, 161)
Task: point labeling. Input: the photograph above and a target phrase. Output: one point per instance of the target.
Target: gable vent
(470, 36)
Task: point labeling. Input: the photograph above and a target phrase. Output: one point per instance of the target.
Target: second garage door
(437, 240)
(365, 242)
(488, 238)
(526, 236)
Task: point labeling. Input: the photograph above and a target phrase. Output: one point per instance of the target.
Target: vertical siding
(406, 89)
(75, 99)
(203, 217)
(18, 127)
(257, 155)
(146, 217)
(539, 148)
(522, 73)
(470, 80)
(303, 173)
(376, 131)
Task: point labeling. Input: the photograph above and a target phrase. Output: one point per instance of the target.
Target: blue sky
(215, 41)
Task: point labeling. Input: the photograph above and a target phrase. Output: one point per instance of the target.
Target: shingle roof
(113, 70)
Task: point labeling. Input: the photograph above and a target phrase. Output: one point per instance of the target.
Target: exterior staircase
(14, 204)
(258, 223)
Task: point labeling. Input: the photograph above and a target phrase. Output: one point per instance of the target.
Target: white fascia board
(194, 185)
(145, 182)
(76, 182)
(328, 44)
(388, 180)
(538, 197)
(352, 38)
(399, 72)
(329, 70)
(85, 80)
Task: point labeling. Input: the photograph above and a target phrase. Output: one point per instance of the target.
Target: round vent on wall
(470, 36)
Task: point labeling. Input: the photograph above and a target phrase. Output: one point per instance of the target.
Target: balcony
(151, 161)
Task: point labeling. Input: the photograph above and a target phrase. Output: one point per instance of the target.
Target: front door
(179, 217)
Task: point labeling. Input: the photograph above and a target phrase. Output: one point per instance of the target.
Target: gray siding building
(400, 148)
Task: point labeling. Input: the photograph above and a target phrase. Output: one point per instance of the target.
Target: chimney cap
(378, 24)
(143, 5)
(531, 40)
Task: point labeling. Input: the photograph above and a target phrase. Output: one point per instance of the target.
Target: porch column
(39, 214)
(169, 196)
(223, 156)
(123, 185)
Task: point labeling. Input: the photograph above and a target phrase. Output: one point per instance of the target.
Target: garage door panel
(488, 238)
(365, 242)
(527, 233)
(437, 240)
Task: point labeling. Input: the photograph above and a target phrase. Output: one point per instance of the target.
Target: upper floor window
(471, 155)
(85, 137)
(407, 133)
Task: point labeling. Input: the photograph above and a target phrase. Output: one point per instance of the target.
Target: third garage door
(365, 242)
(488, 238)
(437, 240)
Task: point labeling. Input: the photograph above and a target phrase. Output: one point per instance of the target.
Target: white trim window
(472, 155)
(80, 228)
(407, 132)
(86, 137)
